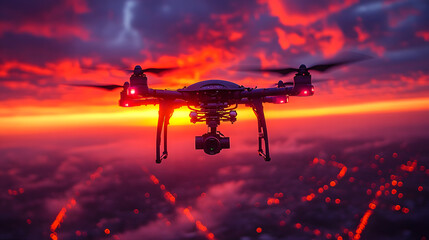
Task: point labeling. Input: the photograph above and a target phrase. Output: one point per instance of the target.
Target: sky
(73, 156)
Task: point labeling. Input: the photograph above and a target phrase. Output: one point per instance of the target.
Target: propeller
(137, 71)
(109, 87)
(157, 71)
(284, 84)
(318, 67)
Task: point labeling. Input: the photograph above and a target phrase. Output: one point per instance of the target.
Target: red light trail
(70, 204)
(171, 198)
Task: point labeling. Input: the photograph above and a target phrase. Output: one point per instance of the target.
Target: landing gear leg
(166, 110)
(262, 129)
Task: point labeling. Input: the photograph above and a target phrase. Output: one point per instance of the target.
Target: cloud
(305, 13)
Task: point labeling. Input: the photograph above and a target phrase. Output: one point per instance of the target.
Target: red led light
(282, 101)
(132, 91)
(305, 92)
(126, 104)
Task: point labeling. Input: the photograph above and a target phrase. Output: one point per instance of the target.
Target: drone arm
(262, 128)
(297, 90)
(167, 94)
(264, 92)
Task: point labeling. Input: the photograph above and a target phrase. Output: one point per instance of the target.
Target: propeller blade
(280, 71)
(105, 87)
(156, 71)
(325, 67)
(159, 70)
(319, 67)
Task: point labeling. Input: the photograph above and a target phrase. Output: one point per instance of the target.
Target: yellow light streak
(142, 116)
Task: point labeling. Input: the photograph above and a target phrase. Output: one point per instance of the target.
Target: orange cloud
(362, 35)
(290, 17)
(51, 24)
(30, 68)
(288, 39)
(79, 6)
(234, 36)
(49, 30)
(331, 40)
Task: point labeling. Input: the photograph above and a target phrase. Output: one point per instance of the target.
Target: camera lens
(212, 145)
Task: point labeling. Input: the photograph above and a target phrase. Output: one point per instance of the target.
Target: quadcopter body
(212, 102)
(215, 101)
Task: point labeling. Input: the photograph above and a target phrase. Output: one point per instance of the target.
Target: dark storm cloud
(246, 32)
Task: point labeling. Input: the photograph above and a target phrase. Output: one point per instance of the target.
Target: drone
(215, 101)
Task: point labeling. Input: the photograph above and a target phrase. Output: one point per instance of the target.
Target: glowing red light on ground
(107, 231)
(258, 230)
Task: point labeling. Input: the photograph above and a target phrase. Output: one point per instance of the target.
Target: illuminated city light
(71, 203)
(171, 198)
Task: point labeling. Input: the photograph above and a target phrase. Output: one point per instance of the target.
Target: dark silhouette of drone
(215, 101)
